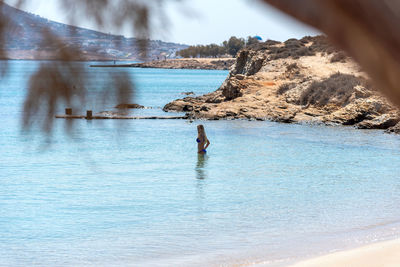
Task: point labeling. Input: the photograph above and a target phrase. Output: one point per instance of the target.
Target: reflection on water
(201, 176)
(201, 165)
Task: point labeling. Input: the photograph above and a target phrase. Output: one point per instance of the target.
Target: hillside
(298, 81)
(24, 39)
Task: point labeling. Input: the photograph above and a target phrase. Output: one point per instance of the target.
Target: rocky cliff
(300, 81)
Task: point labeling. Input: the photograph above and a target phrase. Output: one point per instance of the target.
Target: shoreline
(183, 63)
(298, 81)
(189, 63)
(385, 254)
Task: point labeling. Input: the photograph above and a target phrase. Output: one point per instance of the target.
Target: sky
(198, 21)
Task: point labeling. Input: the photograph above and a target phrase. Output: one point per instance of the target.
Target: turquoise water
(135, 193)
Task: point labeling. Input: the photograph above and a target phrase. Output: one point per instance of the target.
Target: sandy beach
(383, 254)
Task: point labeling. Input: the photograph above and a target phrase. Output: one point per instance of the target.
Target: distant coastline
(27, 42)
(184, 63)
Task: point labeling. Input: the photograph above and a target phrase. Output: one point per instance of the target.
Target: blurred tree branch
(64, 83)
(368, 30)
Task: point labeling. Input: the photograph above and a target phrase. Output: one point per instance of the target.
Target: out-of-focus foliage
(60, 84)
(366, 29)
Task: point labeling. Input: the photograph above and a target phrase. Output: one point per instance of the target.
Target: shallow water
(135, 193)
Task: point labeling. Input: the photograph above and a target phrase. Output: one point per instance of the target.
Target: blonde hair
(201, 132)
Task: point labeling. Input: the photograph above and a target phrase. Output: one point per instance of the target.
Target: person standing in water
(202, 140)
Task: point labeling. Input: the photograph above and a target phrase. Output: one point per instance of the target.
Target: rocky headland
(298, 81)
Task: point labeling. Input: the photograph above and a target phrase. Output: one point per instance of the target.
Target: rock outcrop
(394, 129)
(296, 81)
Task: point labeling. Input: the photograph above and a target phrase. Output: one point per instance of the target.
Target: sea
(136, 193)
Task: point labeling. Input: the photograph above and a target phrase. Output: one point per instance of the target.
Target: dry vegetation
(338, 89)
(285, 87)
(366, 29)
(307, 46)
(339, 57)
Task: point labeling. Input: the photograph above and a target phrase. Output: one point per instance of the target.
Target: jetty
(89, 116)
(115, 66)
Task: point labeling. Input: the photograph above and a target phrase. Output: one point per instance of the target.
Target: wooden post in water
(89, 115)
(68, 111)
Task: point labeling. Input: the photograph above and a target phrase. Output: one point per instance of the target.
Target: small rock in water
(130, 106)
(187, 93)
(395, 129)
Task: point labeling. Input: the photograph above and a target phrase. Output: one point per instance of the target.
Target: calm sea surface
(135, 193)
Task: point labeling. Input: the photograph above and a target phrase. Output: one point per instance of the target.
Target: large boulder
(381, 122)
(351, 114)
(248, 62)
(395, 129)
(241, 61)
(358, 111)
(232, 88)
(181, 105)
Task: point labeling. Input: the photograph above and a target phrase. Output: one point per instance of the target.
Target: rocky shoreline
(298, 81)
